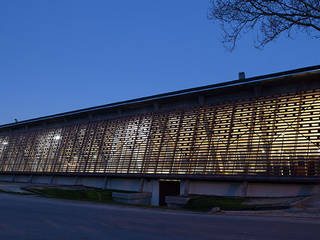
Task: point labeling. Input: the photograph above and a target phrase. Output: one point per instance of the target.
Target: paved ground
(32, 217)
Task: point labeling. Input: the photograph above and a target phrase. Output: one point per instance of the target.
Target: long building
(258, 136)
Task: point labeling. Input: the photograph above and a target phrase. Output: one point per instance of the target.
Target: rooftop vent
(242, 75)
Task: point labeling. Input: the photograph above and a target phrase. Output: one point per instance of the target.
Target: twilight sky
(63, 55)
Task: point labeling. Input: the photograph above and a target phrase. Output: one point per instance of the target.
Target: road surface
(32, 217)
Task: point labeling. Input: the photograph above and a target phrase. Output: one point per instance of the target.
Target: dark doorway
(168, 188)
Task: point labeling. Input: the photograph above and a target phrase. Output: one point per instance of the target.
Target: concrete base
(132, 198)
(176, 201)
(7, 178)
(187, 187)
(245, 189)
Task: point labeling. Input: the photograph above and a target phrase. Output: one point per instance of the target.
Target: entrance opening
(168, 188)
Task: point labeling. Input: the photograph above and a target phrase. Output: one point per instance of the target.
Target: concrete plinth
(132, 198)
(176, 201)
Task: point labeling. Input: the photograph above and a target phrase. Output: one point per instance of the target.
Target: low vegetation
(196, 203)
(88, 194)
(206, 203)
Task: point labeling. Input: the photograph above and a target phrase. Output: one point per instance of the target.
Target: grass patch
(196, 203)
(93, 195)
(206, 203)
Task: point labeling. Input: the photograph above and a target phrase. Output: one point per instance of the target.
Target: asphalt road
(31, 217)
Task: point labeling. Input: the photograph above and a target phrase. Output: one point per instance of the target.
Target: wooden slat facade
(266, 136)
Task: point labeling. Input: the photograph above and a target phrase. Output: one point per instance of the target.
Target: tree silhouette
(268, 18)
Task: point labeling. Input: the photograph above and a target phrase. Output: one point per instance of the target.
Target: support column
(155, 193)
(244, 189)
(31, 177)
(105, 183)
(184, 187)
(52, 179)
(141, 184)
(76, 180)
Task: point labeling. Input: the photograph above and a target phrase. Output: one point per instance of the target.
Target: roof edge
(172, 94)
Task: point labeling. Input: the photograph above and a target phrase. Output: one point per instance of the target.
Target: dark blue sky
(63, 55)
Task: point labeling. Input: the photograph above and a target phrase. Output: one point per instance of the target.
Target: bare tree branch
(269, 18)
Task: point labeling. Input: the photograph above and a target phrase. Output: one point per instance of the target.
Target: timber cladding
(264, 136)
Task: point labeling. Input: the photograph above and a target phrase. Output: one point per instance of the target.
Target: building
(249, 137)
